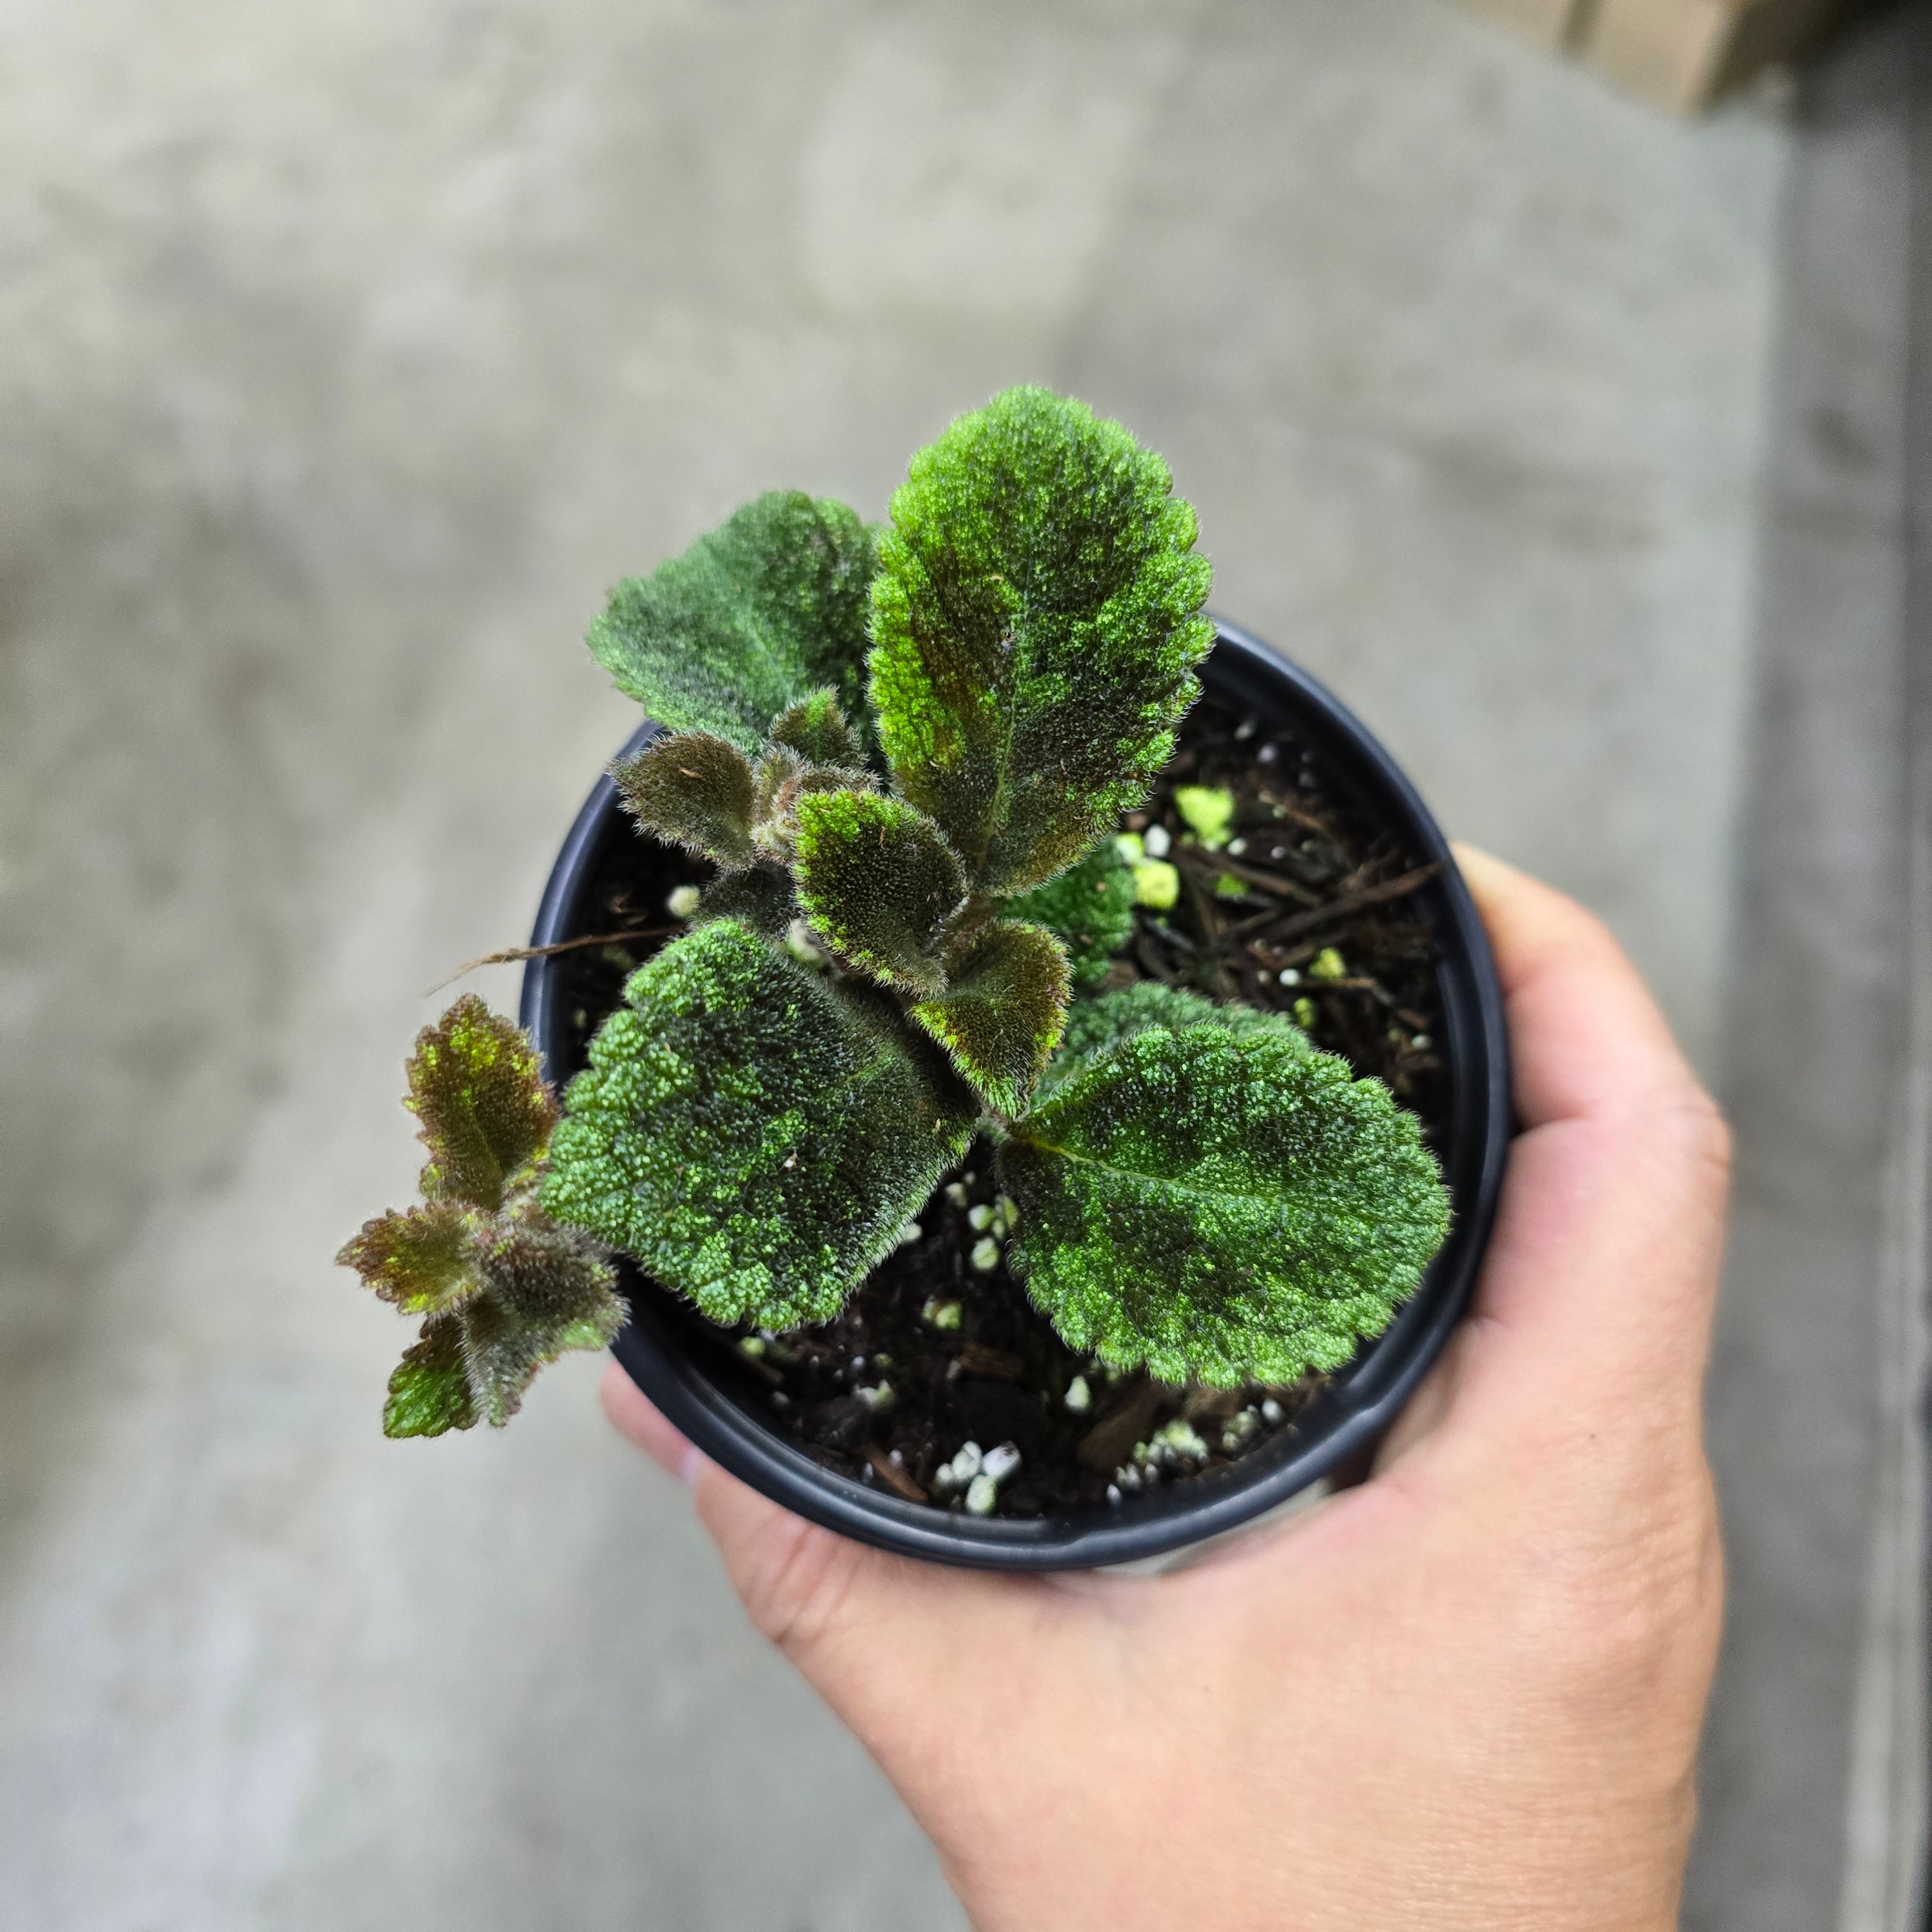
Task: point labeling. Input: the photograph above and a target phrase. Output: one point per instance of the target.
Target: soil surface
(937, 1361)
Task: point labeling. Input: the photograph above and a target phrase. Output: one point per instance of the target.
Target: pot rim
(1359, 1403)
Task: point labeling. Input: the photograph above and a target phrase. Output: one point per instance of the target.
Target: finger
(1599, 1280)
(633, 1414)
(1585, 1036)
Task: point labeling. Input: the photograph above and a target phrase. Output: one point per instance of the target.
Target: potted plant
(1015, 1108)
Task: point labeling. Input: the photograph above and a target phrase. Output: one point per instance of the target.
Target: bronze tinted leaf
(420, 1259)
(1001, 1012)
(877, 879)
(475, 1086)
(816, 729)
(429, 1392)
(695, 790)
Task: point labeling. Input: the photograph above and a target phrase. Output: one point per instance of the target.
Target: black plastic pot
(700, 1391)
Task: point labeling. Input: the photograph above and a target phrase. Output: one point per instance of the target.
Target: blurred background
(348, 355)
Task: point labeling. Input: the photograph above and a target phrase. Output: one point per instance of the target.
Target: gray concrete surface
(1815, 1766)
(348, 355)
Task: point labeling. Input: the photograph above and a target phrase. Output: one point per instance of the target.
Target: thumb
(1601, 1276)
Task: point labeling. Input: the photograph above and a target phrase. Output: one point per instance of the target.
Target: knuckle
(795, 1582)
(1638, 1623)
(1707, 1133)
(1682, 1132)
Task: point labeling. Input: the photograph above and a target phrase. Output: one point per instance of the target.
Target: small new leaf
(755, 1137)
(695, 789)
(1090, 906)
(761, 898)
(545, 1292)
(422, 1259)
(750, 621)
(782, 777)
(1002, 1011)
(1209, 810)
(475, 1086)
(816, 729)
(525, 1291)
(877, 879)
(429, 1392)
(1036, 623)
(1221, 1202)
(502, 1290)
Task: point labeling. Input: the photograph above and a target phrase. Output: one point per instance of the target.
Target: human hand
(1465, 1694)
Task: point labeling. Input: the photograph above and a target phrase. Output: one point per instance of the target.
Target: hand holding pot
(1464, 1693)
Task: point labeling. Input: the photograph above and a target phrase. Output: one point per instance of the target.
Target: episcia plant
(906, 751)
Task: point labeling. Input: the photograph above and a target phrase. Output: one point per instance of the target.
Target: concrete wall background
(347, 357)
(1815, 1763)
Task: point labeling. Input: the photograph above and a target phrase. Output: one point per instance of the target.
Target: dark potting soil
(1306, 911)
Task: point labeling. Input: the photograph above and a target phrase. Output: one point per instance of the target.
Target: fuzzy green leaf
(877, 878)
(1002, 1011)
(1036, 627)
(422, 1259)
(534, 1292)
(544, 1292)
(429, 1392)
(695, 789)
(816, 729)
(475, 1086)
(1095, 1026)
(1223, 1203)
(755, 1137)
(783, 777)
(1090, 906)
(750, 620)
(761, 898)
(502, 1289)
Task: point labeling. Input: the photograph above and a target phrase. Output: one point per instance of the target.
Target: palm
(1467, 1691)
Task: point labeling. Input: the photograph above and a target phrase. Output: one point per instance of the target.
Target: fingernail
(691, 1466)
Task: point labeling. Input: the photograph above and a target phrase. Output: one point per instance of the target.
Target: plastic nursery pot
(705, 1391)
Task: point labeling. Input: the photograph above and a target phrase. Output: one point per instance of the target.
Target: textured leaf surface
(877, 878)
(750, 621)
(761, 898)
(544, 1293)
(1094, 1027)
(783, 777)
(1090, 907)
(754, 1137)
(816, 729)
(429, 1391)
(531, 1291)
(694, 789)
(1002, 1011)
(420, 1259)
(1221, 1202)
(1035, 624)
(475, 1086)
